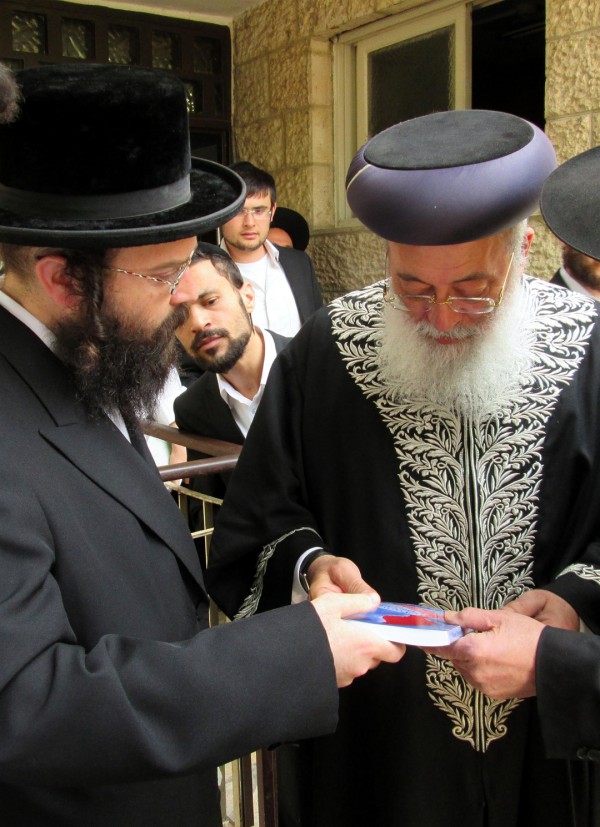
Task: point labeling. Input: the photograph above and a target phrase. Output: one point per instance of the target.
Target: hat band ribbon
(99, 207)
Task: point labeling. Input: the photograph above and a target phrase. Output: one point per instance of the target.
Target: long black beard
(121, 368)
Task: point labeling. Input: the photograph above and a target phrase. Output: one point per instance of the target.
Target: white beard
(477, 376)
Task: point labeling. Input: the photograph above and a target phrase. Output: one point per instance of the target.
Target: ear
(527, 240)
(247, 294)
(57, 284)
(273, 208)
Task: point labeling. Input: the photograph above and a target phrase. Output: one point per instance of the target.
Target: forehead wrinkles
(445, 265)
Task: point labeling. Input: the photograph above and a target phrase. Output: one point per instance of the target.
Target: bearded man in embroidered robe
(434, 437)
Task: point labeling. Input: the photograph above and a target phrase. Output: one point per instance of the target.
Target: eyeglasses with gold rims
(258, 213)
(469, 305)
(171, 279)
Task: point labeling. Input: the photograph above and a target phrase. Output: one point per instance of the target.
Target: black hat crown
(100, 155)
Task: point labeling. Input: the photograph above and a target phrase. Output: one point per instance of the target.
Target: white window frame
(351, 52)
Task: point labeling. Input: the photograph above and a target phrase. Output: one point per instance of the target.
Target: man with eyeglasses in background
(286, 291)
(437, 430)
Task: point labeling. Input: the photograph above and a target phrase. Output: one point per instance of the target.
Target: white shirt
(274, 303)
(242, 408)
(165, 415)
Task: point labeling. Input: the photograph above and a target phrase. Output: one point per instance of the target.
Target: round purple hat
(570, 202)
(449, 177)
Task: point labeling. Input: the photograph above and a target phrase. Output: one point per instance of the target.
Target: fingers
(546, 607)
(479, 620)
(343, 605)
(531, 603)
(336, 574)
(355, 650)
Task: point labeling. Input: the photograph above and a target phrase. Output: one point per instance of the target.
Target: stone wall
(283, 114)
(572, 85)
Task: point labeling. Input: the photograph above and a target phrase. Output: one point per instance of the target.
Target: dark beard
(121, 368)
(578, 266)
(225, 362)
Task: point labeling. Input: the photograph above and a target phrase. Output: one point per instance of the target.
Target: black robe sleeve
(568, 687)
(275, 516)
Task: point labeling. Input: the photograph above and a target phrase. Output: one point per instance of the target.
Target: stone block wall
(283, 115)
(572, 86)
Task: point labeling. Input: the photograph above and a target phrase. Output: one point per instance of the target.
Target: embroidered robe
(433, 509)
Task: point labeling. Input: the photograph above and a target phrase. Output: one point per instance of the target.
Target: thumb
(477, 620)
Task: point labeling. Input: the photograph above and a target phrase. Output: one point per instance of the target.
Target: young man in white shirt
(285, 287)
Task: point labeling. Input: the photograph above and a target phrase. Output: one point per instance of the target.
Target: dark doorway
(508, 72)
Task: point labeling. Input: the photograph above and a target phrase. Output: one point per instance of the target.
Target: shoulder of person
(279, 340)
(196, 392)
(290, 254)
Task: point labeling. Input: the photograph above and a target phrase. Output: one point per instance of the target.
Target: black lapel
(297, 281)
(201, 410)
(96, 447)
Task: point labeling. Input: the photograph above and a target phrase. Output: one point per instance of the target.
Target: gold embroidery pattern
(470, 488)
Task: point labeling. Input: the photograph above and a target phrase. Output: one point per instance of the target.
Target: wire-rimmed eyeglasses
(258, 213)
(469, 305)
(172, 279)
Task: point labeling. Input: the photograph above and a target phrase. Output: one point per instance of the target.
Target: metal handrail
(221, 456)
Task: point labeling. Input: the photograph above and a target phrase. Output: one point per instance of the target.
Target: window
(33, 32)
(445, 55)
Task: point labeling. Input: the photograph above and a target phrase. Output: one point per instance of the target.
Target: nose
(442, 317)
(198, 319)
(248, 218)
(186, 290)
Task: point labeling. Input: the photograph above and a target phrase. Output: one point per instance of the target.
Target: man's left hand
(546, 607)
(498, 656)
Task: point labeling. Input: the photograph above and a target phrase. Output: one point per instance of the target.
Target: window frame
(350, 77)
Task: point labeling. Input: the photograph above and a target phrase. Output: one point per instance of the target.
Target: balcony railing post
(246, 804)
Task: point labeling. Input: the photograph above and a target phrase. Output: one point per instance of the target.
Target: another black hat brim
(570, 202)
(217, 194)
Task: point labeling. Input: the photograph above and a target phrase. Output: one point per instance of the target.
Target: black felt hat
(99, 156)
(570, 202)
(449, 177)
(294, 224)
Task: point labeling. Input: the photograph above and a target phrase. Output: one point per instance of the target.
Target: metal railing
(249, 784)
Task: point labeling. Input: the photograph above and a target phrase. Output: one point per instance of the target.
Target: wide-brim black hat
(294, 224)
(449, 177)
(570, 202)
(99, 156)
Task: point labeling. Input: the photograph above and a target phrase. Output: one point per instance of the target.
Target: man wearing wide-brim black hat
(117, 703)
(438, 431)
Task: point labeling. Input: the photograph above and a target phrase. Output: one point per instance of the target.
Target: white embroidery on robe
(586, 572)
(251, 601)
(470, 488)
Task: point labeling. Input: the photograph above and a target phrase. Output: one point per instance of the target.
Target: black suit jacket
(115, 700)
(201, 410)
(300, 273)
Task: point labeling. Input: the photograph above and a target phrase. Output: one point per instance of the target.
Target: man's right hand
(354, 650)
(330, 574)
